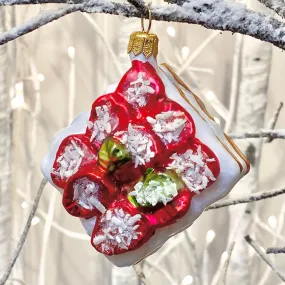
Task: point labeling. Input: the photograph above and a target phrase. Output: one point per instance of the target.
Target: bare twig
(55, 225)
(194, 258)
(235, 82)
(251, 198)
(217, 15)
(259, 251)
(24, 234)
(267, 228)
(107, 44)
(197, 52)
(221, 274)
(226, 264)
(163, 271)
(140, 273)
(275, 250)
(276, 234)
(46, 235)
(272, 134)
(273, 121)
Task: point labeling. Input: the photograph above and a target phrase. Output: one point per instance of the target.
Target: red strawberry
(141, 87)
(120, 229)
(141, 144)
(107, 116)
(172, 124)
(74, 152)
(173, 211)
(196, 164)
(88, 193)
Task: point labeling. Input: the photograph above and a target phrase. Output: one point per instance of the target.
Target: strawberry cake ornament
(145, 162)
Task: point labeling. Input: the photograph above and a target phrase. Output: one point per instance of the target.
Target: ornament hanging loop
(149, 20)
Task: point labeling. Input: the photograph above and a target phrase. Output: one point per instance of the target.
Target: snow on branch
(260, 251)
(24, 234)
(212, 14)
(272, 123)
(271, 134)
(278, 6)
(275, 250)
(33, 2)
(247, 199)
(43, 18)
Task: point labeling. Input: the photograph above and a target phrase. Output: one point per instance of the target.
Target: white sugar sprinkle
(86, 194)
(168, 125)
(193, 169)
(104, 124)
(138, 143)
(139, 91)
(119, 229)
(69, 161)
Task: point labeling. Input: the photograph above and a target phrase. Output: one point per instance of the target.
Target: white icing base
(206, 131)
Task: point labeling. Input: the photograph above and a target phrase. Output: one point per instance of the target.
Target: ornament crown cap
(143, 42)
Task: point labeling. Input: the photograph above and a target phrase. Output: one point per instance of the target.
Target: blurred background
(51, 75)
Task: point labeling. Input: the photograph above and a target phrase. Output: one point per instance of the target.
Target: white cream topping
(155, 192)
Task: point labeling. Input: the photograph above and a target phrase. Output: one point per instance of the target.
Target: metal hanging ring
(149, 20)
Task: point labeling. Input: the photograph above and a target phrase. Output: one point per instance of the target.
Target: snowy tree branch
(251, 198)
(24, 234)
(212, 14)
(272, 123)
(275, 250)
(139, 4)
(278, 6)
(271, 134)
(259, 251)
(43, 18)
(226, 264)
(34, 2)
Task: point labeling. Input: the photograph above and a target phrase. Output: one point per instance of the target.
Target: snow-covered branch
(42, 19)
(24, 234)
(275, 250)
(34, 2)
(251, 198)
(271, 134)
(272, 123)
(259, 250)
(212, 14)
(278, 6)
(221, 274)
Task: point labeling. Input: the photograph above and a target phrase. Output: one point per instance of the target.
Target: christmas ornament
(145, 162)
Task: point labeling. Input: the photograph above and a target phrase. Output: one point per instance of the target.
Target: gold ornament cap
(143, 42)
